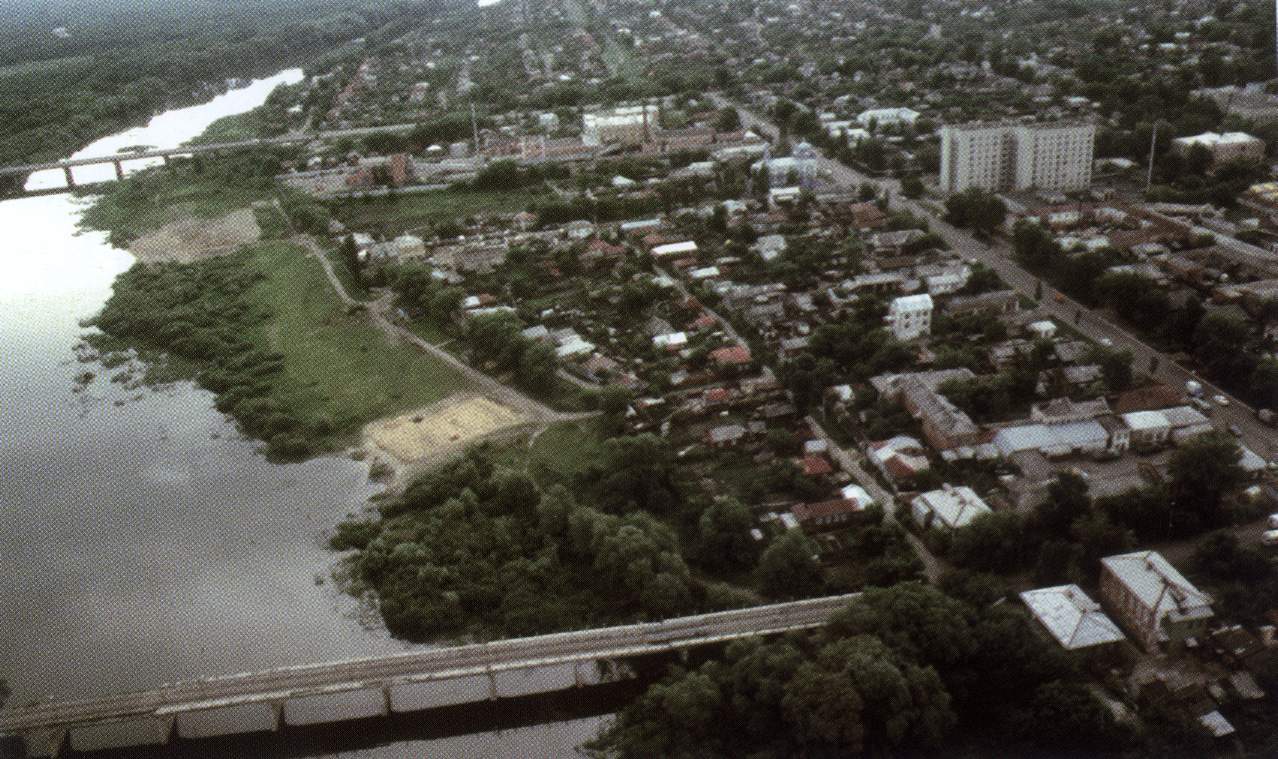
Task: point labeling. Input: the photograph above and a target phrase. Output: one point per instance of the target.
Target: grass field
(337, 364)
(562, 451)
(146, 202)
(394, 214)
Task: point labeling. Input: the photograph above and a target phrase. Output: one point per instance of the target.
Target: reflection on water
(142, 541)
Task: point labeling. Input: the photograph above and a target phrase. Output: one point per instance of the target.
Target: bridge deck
(212, 147)
(440, 663)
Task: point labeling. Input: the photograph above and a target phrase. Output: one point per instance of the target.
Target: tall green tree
(1201, 472)
(789, 567)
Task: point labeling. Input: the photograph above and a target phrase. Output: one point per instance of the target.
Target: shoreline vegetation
(501, 543)
(262, 329)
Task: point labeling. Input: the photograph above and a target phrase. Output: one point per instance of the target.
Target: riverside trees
(899, 671)
(478, 549)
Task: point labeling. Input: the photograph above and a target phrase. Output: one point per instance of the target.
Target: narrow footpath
(379, 311)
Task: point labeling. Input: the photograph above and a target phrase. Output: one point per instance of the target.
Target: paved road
(998, 256)
(456, 661)
(934, 568)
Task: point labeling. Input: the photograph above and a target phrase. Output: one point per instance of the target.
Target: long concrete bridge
(118, 159)
(382, 686)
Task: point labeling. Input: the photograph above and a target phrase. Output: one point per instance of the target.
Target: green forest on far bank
(125, 61)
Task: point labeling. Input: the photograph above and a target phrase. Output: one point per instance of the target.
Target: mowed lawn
(338, 364)
(415, 210)
(561, 452)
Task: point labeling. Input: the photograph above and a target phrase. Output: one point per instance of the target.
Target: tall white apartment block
(977, 155)
(1054, 156)
(1005, 156)
(910, 316)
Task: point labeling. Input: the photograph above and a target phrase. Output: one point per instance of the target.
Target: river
(142, 539)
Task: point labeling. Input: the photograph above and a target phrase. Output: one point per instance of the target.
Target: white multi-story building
(627, 125)
(910, 316)
(1004, 156)
(888, 117)
(948, 508)
(1054, 156)
(1224, 147)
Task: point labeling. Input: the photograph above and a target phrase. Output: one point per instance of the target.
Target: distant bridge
(385, 685)
(118, 159)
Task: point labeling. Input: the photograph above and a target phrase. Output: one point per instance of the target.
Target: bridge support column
(66, 171)
(492, 685)
(119, 171)
(45, 743)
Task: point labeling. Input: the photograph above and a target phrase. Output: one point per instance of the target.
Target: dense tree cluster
(901, 671)
(1068, 533)
(1224, 344)
(977, 209)
(477, 549)
(857, 346)
(204, 313)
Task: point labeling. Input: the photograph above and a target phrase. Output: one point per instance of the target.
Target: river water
(142, 540)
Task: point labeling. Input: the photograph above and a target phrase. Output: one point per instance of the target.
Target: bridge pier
(119, 171)
(45, 743)
(66, 171)
(492, 685)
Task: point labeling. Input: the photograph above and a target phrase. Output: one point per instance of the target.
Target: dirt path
(378, 311)
(191, 239)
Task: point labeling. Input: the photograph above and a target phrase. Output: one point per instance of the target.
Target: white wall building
(1223, 147)
(629, 125)
(1004, 156)
(1054, 156)
(910, 316)
(888, 117)
(1071, 617)
(948, 508)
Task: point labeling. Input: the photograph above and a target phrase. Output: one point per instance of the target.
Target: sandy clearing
(191, 239)
(433, 433)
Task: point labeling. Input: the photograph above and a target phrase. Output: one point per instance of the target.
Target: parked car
(1235, 431)
(1266, 416)
(1269, 538)
(1220, 400)
(1202, 405)
(1105, 341)
(1272, 522)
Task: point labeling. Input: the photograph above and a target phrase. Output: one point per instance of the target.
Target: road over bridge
(373, 687)
(118, 159)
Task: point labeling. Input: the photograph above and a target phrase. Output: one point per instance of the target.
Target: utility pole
(1153, 142)
(474, 127)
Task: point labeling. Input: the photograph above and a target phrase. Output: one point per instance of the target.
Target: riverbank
(286, 357)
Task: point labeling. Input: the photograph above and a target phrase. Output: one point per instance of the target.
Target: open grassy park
(415, 211)
(336, 363)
